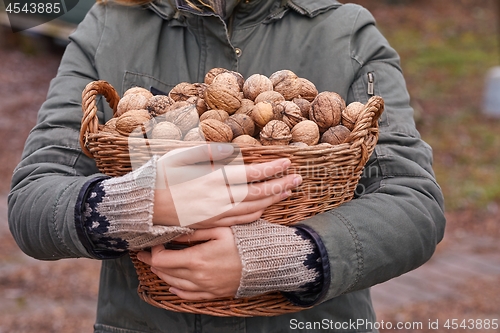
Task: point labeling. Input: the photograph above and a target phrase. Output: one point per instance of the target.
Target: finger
(176, 282)
(202, 153)
(256, 191)
(193, 296)
(199, 235)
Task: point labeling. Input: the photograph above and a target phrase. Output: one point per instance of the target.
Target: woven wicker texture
(330, 176)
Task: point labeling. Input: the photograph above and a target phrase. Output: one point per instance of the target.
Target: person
(61, 206)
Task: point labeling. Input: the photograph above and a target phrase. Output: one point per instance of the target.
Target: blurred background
(450, 53)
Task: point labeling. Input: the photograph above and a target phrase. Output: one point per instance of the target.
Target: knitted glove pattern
(119, 212)
(275, 258)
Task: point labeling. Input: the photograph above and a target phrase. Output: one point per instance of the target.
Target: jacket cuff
(315, 296)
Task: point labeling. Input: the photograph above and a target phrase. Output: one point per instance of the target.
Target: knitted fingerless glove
(119, 212)
(276, 258)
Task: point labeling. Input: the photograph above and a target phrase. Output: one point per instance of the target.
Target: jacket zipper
(371, 80)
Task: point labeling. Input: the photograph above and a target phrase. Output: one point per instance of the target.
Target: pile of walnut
(281, 109)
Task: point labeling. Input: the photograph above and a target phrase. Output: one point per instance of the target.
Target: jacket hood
(173, 9)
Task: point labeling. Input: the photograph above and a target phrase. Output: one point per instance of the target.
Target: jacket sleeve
(53, 170)
(397, 218)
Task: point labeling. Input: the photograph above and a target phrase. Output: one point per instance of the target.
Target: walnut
(306, 131)
(211, 74)
(262, 113)
(270, 96)
(134, 122)
(167, 131)
(306, 90)
(304, 105)
(219, 115)
(275, 132)
(246, 106)
(159, 104)
(219, 96)
(326, 110)
(131, 102)
(110, 127)
(285, 82)
(183, 91)
(246, 140)
(200, 104)
(291, 113)
(216, 131)
(336, 135)
(200, 87)
(233, 80)
(194, 134)
(351, 113)
(241, 124)
(185, 117)
(256, 84)
(138, 90)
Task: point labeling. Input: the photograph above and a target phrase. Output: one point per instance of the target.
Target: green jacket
(390, 228)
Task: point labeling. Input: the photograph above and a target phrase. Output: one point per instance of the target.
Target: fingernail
(225, 149)
(173, 290)
(297, 180)
(286, 164)
(286, 194)
(154, 270)
(140, 256)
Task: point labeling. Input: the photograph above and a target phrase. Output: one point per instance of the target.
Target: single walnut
(262, 113)
(159, 104)
(246, 140)
(135, 123)
(185, 117)
(306, 131)
(138, 90)
(200, 104)
(285, 82)
(166, 131)
(241, 124)
(216, 131)
(270, 96)
(326, 110)
(256, 84)
(194, 134)
(336, 135)
(131, 102)
(306, 89)
(211, 74)
(275, 132)
(351, 113)
(246, 106)
(291, 113)
(219, 115)
(183, 91)
(304, 105)
(200, 87)
(219, 96)
(110, 127)
(282, 75)
(233, 80)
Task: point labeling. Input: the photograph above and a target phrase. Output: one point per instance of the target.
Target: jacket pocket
(131, 79)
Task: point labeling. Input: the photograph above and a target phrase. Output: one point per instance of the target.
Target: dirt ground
(60, 297)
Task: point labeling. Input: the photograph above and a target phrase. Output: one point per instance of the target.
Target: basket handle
(365, 132)
(90, 121)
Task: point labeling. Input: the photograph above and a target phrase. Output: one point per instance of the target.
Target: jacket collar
(175, 9)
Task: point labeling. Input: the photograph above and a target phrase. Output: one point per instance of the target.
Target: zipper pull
(370, 84)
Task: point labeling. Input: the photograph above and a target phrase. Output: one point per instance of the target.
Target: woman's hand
(205, 271)
(192, 189)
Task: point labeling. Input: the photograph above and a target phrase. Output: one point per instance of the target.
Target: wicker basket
(330, 176)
